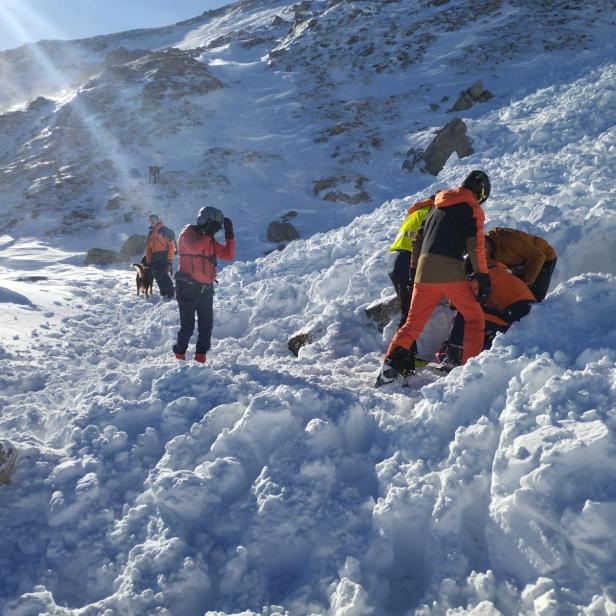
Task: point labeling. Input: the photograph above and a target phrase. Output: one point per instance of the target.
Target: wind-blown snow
(267, 484)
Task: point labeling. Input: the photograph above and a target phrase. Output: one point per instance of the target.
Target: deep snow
(267, 484)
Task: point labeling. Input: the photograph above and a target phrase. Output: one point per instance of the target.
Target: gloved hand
(485, 287)
(412, 272)
(228, 225)
(169, 266)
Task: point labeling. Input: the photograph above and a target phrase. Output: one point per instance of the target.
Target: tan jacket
(521, 251)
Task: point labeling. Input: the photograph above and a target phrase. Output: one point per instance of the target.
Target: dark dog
(145, 277)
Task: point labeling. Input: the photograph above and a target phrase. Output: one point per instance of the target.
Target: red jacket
(198, 254)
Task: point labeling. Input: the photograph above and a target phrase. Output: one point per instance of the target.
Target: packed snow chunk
(555, 455)
(193, 495)
(350, 599)
(162, 573)
(66, 506)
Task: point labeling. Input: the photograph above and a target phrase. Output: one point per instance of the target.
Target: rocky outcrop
(102, 256)
(382, 311)
(134, 245)
(297, 341)
(449, 139)
(8, 458)
(351, 192)
(472, 95)
(281, 231)
(306, 336)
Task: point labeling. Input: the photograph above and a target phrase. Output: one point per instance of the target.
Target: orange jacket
(160, 239)
(198, 254)
(507, 289)
(517, 249)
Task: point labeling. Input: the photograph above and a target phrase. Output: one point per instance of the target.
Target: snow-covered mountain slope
(267, 484)
(265, 108)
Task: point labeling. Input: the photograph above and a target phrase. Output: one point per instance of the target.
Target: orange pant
(426, 295)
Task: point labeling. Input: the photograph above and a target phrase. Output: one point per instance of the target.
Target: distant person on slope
(196, 276)
(159, 253)
(453, 227)
(529, 257)
(509, 300)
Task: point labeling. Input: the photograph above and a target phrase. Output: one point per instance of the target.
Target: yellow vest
(404, 239)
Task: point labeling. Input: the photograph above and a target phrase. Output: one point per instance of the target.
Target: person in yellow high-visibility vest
(404, 263)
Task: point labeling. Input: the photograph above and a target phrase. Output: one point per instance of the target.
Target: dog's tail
(138, 267)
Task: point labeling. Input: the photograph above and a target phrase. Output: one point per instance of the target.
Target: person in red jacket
(453, 228)
(159, 252)
(195, 278)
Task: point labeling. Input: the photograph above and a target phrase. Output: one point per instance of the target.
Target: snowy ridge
(266, 484)
(313, 94)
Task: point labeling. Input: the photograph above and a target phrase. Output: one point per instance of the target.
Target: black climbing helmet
(210, 220)
(479, 183)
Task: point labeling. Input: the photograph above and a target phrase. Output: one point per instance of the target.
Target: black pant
(195, 299)
(401, 277)
(539, 288)
(159, 267)
(513, 313)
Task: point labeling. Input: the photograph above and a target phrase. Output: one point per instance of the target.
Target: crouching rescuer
(453, 227)
(196, 276)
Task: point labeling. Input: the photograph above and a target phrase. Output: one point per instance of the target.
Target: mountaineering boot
(200, 357)
(178, 355)
(399, 363)
(450, 359)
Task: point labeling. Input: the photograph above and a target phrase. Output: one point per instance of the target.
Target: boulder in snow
(281, 231)
(102, 256)
(451, 138)
(134, 245)
(382, 311)
(8, 457)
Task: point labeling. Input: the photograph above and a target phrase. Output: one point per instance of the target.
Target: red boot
(180, 355)
(200, 357)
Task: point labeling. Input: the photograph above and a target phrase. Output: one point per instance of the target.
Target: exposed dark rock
(114, 203)
(297, 341)
(338, 196)
(278, 22)
(279, 231)
(451, 138)
(134, 245)
(382, 311)
(472, 95)
(8, 458)
(121, 55)
(102, 256)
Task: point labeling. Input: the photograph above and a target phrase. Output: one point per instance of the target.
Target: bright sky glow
(23, 21)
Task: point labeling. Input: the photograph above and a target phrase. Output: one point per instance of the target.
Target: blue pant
(195, 299)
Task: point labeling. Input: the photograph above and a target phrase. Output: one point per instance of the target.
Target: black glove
(228, 225)
(485, 287)
(169, 266)
(412, 272)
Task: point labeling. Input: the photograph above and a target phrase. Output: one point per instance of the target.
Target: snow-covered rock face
(347, 88)
(263, 483)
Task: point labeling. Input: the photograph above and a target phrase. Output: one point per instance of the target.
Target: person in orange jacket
(453, 228)
(159, 253)
(530, 257)
(196, 276)
(509, 300)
